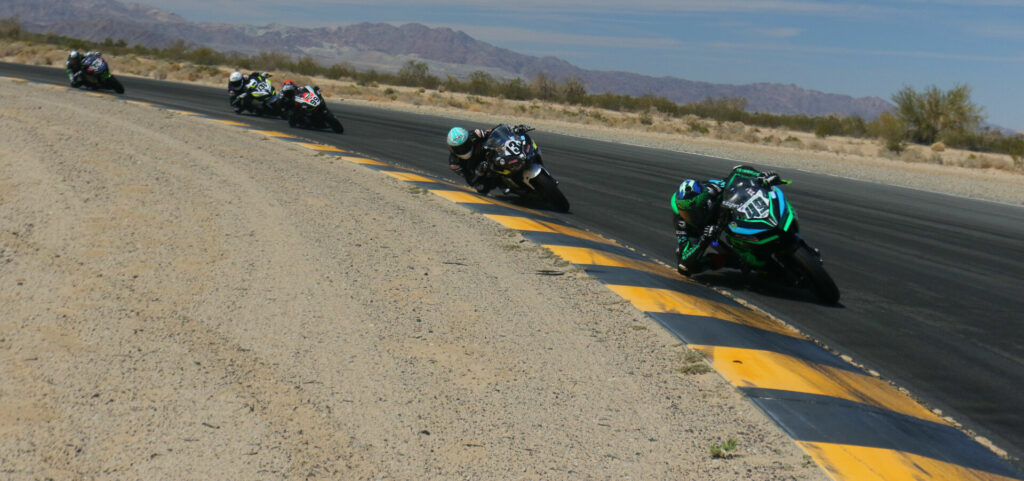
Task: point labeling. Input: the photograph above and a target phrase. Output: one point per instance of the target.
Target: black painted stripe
(710, 331)
(816, 418)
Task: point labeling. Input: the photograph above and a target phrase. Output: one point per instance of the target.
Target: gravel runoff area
(186, 300)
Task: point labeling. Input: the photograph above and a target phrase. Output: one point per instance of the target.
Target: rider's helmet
(74, 57)
(458, 142)
(235, 80)
(693, 202)
(288, 88)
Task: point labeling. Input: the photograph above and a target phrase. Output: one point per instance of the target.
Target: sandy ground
(185, 300)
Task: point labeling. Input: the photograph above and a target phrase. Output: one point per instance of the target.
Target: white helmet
(74, 54)
(235, 77)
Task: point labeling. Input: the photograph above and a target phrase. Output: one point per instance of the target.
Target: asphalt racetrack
(931, 284)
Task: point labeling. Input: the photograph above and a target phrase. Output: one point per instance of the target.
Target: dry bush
(938, 147)
(914, 156)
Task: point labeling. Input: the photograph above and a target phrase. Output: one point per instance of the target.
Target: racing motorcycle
(310, 111)
(95, 74)
(515, 163)
(260, 98)
(760, 228)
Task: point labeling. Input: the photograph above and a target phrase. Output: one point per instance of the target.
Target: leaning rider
(75, 66)
(696, 206)
(467, 157)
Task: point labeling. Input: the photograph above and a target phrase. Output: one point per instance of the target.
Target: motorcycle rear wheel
(820, 282)
(548, 188)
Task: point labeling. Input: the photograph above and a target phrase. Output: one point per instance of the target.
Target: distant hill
(386, 47)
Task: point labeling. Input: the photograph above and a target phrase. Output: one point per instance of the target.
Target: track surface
(931, 284)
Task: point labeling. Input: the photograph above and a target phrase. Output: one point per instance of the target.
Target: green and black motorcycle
(761, 229)
(95, 74)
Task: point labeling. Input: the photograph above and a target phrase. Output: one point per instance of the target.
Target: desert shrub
(933, 113)
(891, 130)
(827, 126)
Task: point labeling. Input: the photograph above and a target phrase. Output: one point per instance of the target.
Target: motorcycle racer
(696, 207)
(467, 156)
(74, 66)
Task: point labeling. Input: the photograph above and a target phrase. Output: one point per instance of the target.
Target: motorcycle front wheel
(548, 189)
(335, 124)
(820, 283)
(115, 84)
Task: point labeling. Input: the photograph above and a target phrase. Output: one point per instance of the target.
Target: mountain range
(386, 47)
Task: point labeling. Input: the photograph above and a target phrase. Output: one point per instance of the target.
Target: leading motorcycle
(514, 162)
(759, 227)
(95, 74)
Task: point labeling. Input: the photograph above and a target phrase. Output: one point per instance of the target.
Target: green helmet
(692, 202)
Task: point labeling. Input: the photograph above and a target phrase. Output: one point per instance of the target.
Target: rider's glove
(709, 233)
(520, 129)
(771, 178)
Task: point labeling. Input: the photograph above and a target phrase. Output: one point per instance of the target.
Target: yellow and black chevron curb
(854, 425)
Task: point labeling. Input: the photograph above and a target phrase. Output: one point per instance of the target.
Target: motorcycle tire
(335, 124)
(821, 284)
(548, 188)
(115, 84)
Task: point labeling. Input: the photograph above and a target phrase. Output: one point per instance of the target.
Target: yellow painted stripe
(97, 94)
(460, 197)
(16, 79)
(772, 370)
(361, 160)
(182, 112)
(664, 300)
(858, 463)
(585, 256)
(139, 102)
(320, 147)
(272, 133)
(59, 86)
(527, 224)
(471, 197)
(230, 122)
(409, 177)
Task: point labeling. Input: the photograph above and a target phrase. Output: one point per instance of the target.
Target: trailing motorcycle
(515, 163)
(258, 97)
(95, 74)
(760, 228)
(310, 111)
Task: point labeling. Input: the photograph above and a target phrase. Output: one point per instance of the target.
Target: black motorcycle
(515, 163)
(310, 111)
(95, 74)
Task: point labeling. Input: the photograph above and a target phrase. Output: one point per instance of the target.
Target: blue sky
(869, 48)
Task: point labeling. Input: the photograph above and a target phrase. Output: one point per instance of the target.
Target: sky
(865, 48)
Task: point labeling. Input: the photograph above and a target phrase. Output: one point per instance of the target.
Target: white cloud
(870, 52)
(535, 37)
(782, 32)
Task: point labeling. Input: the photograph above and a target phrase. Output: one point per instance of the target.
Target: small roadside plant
(725, 449)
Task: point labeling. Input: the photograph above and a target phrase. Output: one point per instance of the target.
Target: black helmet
(692, 202)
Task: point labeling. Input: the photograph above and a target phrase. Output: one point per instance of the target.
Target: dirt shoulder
(185, 300)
